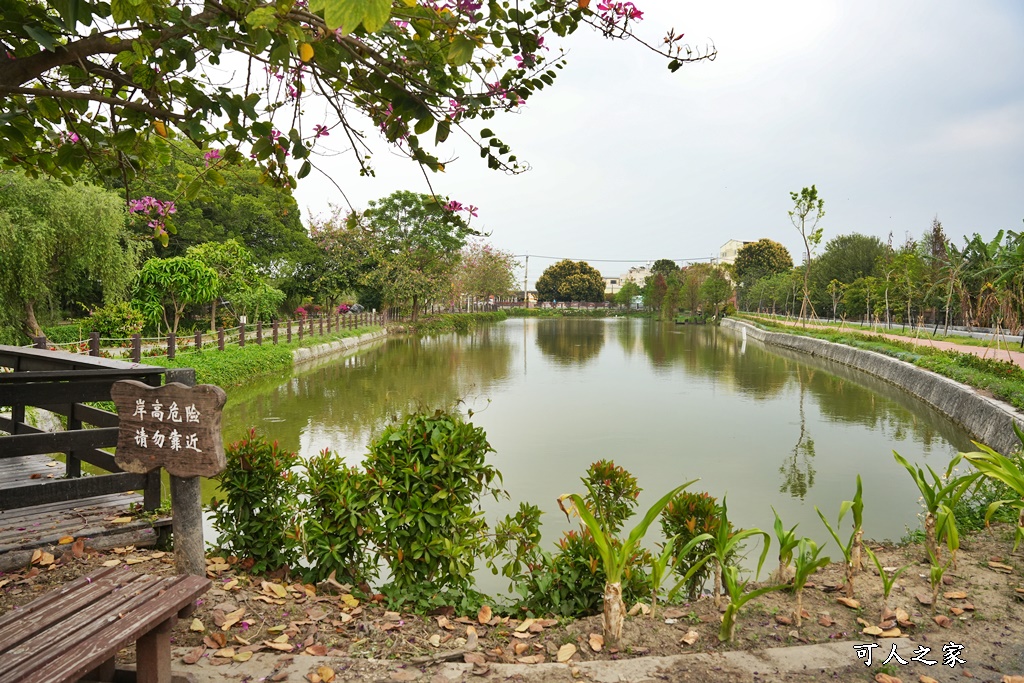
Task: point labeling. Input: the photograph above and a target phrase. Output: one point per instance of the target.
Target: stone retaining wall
(327, 348)
(986, 419)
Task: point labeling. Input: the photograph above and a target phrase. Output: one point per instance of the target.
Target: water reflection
(798, 469)
(571, 341)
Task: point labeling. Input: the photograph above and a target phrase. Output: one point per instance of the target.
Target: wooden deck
(23, 530)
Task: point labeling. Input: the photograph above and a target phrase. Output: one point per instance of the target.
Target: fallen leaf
(316, 650)
(1008, 679)
(65, 540)
(194, 655)
(596, 642)
(691, 637)
(872, 631)
(316, 613)
(888, 614)
(929, 679)
(863, 622)
(923, 598)
(228, 652)
(111, 563)
(892, 633)
(326, 673)
(523, 636)
(120, 520)
(639, 608)
(78, 548)
(566, 652)
(230, 585)
(473, 658)
(484, 615)
(1000, 567)
(943, 621)
(520, 648)
(282, 647)
(536, 627)
(197, 626)
(956, 611)
(348, 600)
(783, 620)
(848, 602)
(531, 659)
(471, 638)
(886, 678)
(242, 656)
(968, 606)
(826, 621)
(435, 640)
(955, 595)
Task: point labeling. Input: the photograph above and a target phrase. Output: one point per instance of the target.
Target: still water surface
(669, 403)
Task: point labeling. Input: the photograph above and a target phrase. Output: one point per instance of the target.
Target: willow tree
(57, 238)
(112, 86)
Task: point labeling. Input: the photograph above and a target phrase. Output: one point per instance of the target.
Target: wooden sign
(175, 426)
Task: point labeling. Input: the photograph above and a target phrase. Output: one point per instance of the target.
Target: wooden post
(187, 505)
(321, 326)
(328, 323)
(311, 327)
(241, 335)
(275, 325)
(259, 333)
(301, 326)
(171, 345)
(72, 464)
(94, 344)
(40, 342)
(153, 654)
(289, 328)
(136, 348)
(199, 341)
(220, 338)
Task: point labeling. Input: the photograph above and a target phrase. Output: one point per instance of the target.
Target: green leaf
(304, 171)
(423, 125)
(460, 51)
(376, 15)
(122, 11)
(344, 14)
(41, 37)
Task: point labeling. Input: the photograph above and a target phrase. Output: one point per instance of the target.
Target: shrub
(257, 519)
(117, 321)
(335, 520)
(687, 516)
(68, 333)
(426, 475)
(614, 494)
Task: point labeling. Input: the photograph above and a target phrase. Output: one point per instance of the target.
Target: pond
(670, 403)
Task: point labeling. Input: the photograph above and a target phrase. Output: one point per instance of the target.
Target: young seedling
(888, 581)
(805, 563)
(848, 548)
(737, 598)
(727, 543)
(665, 564)
(1007, 470)
(615, 555)
(787, 542)
(939, 497)
(936, 574)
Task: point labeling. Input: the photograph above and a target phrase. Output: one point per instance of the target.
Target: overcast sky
(898, 112)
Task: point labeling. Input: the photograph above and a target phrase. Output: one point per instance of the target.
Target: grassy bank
(454, 322)
(573, 313)
(1003, 379)
(236, 365)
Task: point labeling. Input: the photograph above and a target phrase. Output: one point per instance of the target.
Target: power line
(611, 260)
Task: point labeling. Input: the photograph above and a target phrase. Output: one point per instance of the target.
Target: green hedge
(455, 322)
(571, 313)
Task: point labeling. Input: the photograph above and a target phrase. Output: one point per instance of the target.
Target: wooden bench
(75, 632)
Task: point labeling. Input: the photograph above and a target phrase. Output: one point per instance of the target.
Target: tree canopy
(58, 242)
(759, 259)
(485, 271)
(570, 281)
(111, 86)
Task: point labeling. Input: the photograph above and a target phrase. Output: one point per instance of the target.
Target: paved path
(1003, 353)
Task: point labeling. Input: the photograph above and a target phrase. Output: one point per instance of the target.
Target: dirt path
(1016, 357)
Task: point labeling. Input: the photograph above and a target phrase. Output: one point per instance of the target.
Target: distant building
(612, 285)
(637, 275)
(727, 254)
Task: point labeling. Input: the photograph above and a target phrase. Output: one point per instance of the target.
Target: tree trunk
(31, 324)
(929, 538)
(799, 607)
(849, 579)
(614, 614)
(718, 585)
(415, 307)
(213, 315)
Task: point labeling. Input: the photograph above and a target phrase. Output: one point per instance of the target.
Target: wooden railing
(63, 383)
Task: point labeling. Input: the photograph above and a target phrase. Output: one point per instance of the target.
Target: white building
(612, 285)
(637, 275)
(727, 254)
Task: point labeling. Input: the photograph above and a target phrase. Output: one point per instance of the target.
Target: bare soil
(978, 607)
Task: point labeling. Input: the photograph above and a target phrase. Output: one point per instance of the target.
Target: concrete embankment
(309, 353)
(986, 419)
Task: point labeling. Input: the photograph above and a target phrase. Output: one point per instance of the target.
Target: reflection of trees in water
(357, 395)
(628, 332)
(797, 470)
(571, 341)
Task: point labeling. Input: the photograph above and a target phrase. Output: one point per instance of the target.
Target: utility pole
(526, 273)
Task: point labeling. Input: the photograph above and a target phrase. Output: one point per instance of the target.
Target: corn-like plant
(888, 580)
(727, 544)
(939, 495)
(935, 575)
(738, 597)
(1007, 470)
(615, 555)
(806, 561)
(787, 542)
(850, 549)
(664, 564)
